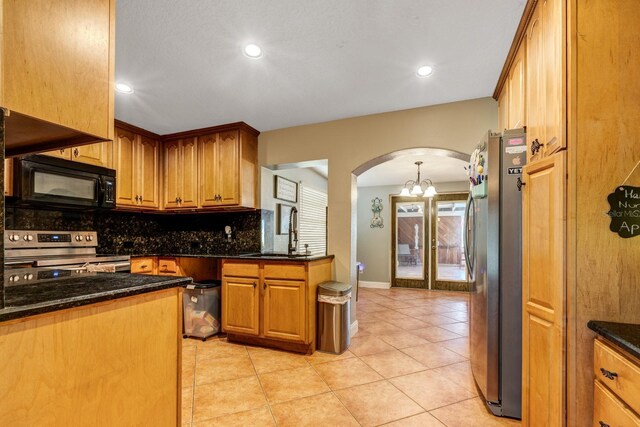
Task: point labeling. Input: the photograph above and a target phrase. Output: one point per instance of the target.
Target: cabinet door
(124, 154)
(516, 85)
(62, 153)
(503, 108)
(147, 176)
(543, 291)
(98, 154)
(553, 66)
(228, 168)
(534, 85)
(172, 171)
(284, 310)
(8, 177)
(240, 305)
(208, 170)
(189, 173)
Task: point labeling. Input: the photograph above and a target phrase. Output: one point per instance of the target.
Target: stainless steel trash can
(201, 309)
(334, 318)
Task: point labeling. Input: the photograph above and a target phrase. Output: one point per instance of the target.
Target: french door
(427, 249)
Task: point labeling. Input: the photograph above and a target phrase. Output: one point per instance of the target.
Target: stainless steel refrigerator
(493, 253)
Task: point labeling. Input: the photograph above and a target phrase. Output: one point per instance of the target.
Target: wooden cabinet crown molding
(515, 44)
(209, 130)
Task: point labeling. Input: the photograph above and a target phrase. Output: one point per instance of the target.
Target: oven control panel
(49, 239)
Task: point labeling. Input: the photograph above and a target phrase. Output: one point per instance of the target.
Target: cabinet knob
(180, 200)
(610, 375)
(176, 200)
(520, 184)
(62, 151)
(254, 284)
(75, 152)
(137, 199)
(535, 146)
(603, 424)
(143, 266)
(264, 286)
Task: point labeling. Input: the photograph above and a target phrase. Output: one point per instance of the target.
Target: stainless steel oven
(49, 181)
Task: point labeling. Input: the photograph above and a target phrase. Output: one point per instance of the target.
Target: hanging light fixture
(414, 188)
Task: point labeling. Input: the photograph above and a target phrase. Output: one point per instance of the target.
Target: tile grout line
(275, 422)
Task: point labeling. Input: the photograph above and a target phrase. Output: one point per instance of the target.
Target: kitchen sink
(274, 255)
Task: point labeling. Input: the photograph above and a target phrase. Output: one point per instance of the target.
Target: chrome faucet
(293, 231)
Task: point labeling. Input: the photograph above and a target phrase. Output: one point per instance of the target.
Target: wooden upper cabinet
(220, 169)
(172, 172)
(503, 109)
(534, 87)
(58, 65)
(543, 291)
(99, 154)
(516, 90)
(553, 67)
(181, 174)
(62, 153)
(125, 166)
(189, 165)
(137, 163)
(148, 172)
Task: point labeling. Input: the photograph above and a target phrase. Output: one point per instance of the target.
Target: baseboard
(375, 285)
(354, 328)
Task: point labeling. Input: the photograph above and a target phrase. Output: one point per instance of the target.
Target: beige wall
(349, 143)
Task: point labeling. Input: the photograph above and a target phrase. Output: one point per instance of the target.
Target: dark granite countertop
(624, 335)
(22, 300)
(251, 256)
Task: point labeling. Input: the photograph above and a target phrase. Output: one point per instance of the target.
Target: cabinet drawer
(167, 266)
(609, 411)
(240, 269)
(284, 271)
(618, 373)
(143, 265)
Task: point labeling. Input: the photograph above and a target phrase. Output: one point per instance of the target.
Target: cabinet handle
(75, 152)
(62, 151)
(176, 200)
(143, 266)
(180, 200)
(603, 424)
(610, 375)
(254, 285)
(264, 286)
(520, 184)
(535, 146)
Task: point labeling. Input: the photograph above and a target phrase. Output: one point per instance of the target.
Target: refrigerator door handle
(467, 255)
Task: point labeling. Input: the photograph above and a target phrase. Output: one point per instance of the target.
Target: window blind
(313, 221)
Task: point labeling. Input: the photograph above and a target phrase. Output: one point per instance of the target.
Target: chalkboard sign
(625, 211)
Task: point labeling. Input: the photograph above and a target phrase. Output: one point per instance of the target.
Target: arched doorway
(412, 248)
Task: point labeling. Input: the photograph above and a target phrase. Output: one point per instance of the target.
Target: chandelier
(414, 188)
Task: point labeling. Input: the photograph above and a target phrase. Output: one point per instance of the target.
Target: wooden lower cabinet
(616, 392)
(112, 363)
(241, 305)
(272, 303)
(284, 309)
(198, 268)
(543, 291)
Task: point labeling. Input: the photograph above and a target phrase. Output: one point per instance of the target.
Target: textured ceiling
(323, 59)
(401, 169)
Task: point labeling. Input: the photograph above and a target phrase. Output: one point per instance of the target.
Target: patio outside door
(409, 266)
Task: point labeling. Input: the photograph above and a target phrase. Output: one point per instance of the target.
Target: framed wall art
(285, 189)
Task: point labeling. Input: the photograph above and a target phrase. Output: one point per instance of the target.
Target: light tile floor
(408, 365)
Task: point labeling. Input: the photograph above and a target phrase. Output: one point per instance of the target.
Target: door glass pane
(450, 237)
(66, 186)
(410, 240)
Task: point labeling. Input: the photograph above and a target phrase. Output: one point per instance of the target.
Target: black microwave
(49, 181)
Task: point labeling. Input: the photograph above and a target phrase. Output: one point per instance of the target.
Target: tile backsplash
(144, 233)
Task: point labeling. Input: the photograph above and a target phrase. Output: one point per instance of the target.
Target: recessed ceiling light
(124, 88)
(252, 51)
(424, 71)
